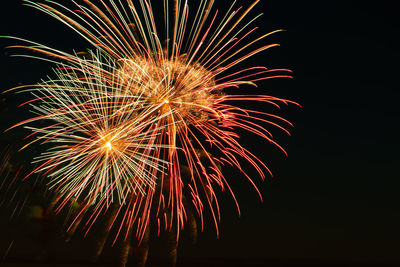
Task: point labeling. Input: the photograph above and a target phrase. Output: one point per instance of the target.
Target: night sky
(334, 200)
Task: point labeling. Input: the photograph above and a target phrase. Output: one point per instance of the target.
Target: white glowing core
(108, 145)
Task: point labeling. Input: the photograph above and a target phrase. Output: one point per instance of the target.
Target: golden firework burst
(176, 91)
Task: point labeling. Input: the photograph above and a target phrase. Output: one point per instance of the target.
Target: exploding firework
(101, 139)
(164, 108)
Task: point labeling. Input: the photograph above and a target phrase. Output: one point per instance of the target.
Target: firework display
(97, 131)
(149, 118)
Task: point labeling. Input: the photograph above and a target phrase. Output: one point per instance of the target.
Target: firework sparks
(165, 105)
(100, 148)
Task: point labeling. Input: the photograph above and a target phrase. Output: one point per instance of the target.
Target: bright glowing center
(108, 145)
(166, 101)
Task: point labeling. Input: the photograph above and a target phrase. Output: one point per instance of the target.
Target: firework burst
(155, 117)
(101, 144)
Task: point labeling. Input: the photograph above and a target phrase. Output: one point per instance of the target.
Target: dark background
(334, 200)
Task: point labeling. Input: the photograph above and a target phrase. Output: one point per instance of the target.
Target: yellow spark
(108, 145)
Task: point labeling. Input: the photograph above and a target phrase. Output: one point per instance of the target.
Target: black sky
(335, 198)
